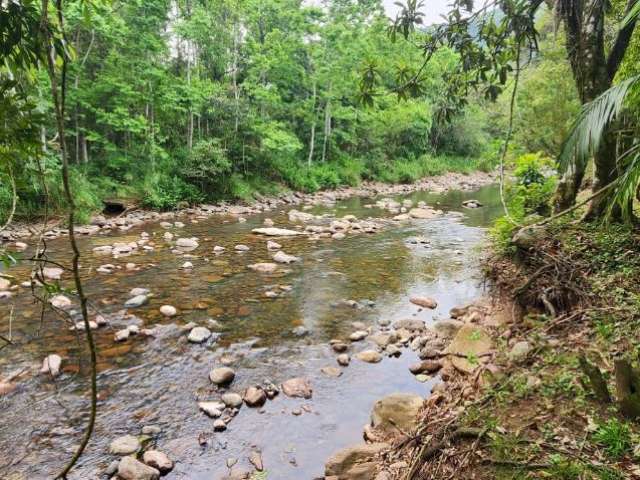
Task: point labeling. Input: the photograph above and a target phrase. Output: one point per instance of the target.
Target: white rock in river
(187, 243)
(277, 232)
(282, 257)
(122, 335)
(60, 301)
(168, 310)
(52, 273)
(4, 284)
(369, 356)
(297, 387)
(271, 245)
(212, 409)
(103, 250)
(131, 469)
(222, 375)
(125, 445)
(358, 335)
(268, 222)
(158, 460)
(134, 292)
(263, 267)
(422, 213)
(187, 266)
(343, 359)
(199, 335)
(51, 365)
(241, 248)
(218, 249)
(136, 301)
(219, 425)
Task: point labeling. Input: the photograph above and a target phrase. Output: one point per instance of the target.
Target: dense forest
(187, 101)
(515, 121)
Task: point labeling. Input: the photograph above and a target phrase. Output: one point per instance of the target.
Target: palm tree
(603, 116)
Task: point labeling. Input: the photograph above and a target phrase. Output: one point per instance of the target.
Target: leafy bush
(208, 167)
(166, 192)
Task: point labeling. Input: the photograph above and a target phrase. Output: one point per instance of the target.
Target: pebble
(222, 375)
(358, 335)
(168, 310)
(425, 302)
(52, 364)
(343, 359)
(232, 400)
(125, 445)
(219, 425)
(297, 387)
(255, 397)
(199, 335)
(369, 356)
(158, 460)
(131, 469)
(241, 248)
(212, 409)
(136, 301)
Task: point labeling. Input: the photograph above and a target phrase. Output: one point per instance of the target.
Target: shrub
(164, 192)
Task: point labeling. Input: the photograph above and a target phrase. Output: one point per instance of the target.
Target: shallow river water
(158, 381)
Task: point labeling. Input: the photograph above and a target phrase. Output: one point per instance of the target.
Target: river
(158, 381)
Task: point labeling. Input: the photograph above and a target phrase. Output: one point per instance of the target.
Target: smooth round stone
(222, 375)
(168, 310)
(125, 445)
(232, 400)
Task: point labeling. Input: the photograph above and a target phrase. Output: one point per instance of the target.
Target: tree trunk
(327, 129)
(605, 171)
(312, 140)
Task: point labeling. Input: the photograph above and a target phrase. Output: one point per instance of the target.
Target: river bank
(136, 217)
(540, 389)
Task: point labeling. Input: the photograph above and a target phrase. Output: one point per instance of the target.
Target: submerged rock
(297, 387)
(187, 243)
(136, 301)
(425, 302)
(264, 267)
(168, 310)
(343, 359)
(125, 445)
(60, 301)
(271, 245)
(282, 257)
(276, 232)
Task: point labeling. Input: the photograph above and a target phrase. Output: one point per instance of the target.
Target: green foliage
(168, 192)
(615, 437)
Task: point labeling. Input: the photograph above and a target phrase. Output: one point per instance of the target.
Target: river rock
(4, 284)
(425, 302)
(282, 257)
(339, 347)
(357, 462)
(447, 328)
(6, 388)
(470, 343)
(212, 409)
(519, 351)
(222, 375)
(241, 248)
(276, 232)
(297, 216)
(411, 324)
(218, 249)
(219, 425)
(267, 222)
(398, 410)
(60, 301)
(383, 339)
(255, 458)
(122, 335)
(471, 203)
(334, 372)
(422, 213)
(134, 292)
(199, 335)
(186, 266)
(271, 245)
(168, 310)
(187, 243)
(458, 312)
(125, 445)
(136, 301)
(131, 469)
(297, 387)
(343, 359)
(300, 331)
(158, 460)
(255, 397)
(52, 273)
(232, 400)
(51, 364)
(264, 267)
(369, 356)
(428, 366)
(358, 335)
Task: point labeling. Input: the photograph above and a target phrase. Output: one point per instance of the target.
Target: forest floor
(526, 407)
(132, 215)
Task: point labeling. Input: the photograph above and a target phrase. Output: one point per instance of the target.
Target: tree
(491, 41)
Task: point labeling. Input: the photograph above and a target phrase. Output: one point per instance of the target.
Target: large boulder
(470, 343)
(357, 462)
(398, 410)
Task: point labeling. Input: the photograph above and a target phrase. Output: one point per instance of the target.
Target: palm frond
(586, 132)
(626, 185)
(634, 11)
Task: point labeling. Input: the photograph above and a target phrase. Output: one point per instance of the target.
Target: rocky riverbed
(253, 340)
